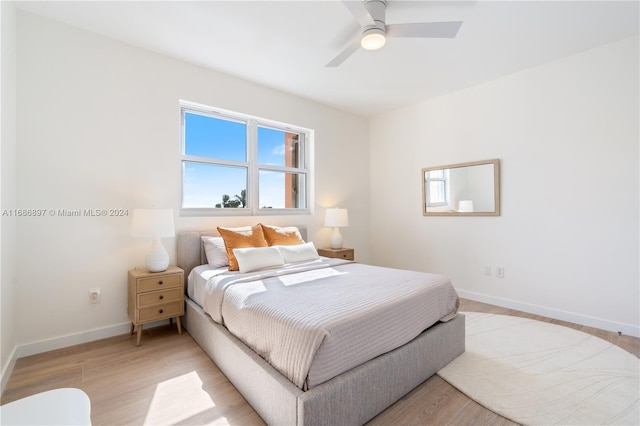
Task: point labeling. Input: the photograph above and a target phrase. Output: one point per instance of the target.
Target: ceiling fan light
(373, 39)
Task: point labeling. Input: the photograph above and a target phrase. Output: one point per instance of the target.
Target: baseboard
(71, 339)
(627, 329)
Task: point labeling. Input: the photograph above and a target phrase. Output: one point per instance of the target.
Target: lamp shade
(465, 206)
(152, 223)
(336, 218)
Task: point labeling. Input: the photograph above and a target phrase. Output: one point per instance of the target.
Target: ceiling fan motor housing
(377, 9)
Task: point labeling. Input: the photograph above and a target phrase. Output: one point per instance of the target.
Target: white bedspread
(315, 320)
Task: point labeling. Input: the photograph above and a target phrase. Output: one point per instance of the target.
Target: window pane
(207, 186)
(281, 190)
(215, 138)
(436, 192)
(277, 147)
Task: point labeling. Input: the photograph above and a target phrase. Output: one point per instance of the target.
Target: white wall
(8, 185)
(99, 127)
(567, 137)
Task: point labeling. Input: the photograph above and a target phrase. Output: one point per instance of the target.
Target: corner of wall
(7, 369)
(8, 186)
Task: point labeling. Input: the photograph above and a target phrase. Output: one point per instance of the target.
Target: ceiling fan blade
(346, 52)
(425, 29)
(357, 9)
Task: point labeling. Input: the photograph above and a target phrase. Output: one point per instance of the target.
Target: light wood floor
(169, 380)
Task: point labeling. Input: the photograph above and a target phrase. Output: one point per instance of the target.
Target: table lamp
(154, 224)
(465, 206)
(336, 218)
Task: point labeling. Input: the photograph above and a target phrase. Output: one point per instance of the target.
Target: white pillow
(299, 252)
(254, 258)
(215, 251)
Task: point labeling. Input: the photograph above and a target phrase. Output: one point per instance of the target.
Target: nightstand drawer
(159, 283)
(157, 312)
(156, 297)
(343, 253)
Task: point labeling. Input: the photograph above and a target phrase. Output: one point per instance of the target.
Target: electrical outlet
(487, 270)
(94, 295)
(500, 271)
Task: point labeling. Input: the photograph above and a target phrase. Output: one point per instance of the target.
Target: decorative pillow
(243, 237)
(281, 236)
(252, 259)
(215, 251)
(299, 253)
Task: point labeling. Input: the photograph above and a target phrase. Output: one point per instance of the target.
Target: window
(233, 164)
(438, 188)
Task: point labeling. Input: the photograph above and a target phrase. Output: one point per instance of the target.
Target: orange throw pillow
(281, 236)
(243, 237)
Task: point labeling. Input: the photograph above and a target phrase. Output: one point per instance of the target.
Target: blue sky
(223, 139)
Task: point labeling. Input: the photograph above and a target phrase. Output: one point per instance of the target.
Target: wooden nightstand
(155, 296)
(343, 253)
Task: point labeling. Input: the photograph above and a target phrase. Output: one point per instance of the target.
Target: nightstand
(155, 296)
(343, 253)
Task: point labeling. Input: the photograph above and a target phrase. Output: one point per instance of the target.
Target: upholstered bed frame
(351, 398)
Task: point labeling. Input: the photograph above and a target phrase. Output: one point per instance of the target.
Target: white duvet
(315, 320)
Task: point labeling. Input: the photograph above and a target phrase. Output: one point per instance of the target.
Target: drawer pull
(160, 282)
(161, 297)
(160, 311)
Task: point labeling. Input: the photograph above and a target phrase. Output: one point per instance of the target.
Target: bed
(352, 396)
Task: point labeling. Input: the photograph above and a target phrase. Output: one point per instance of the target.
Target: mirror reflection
(465, 189)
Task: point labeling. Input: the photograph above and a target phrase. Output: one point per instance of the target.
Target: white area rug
(536, 373)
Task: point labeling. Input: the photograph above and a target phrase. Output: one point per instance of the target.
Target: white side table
(65, 406)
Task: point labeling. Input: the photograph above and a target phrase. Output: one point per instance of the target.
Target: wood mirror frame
(464, 189)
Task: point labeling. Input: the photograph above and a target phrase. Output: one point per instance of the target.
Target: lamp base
(157, 260)
(336, 239)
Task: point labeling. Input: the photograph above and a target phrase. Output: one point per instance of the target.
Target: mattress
(314, 320)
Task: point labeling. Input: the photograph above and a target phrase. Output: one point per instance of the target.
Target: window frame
(251, 163)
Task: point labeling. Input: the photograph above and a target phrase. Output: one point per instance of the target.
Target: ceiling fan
(371, 16)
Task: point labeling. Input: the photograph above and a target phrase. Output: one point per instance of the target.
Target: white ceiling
(286, 44)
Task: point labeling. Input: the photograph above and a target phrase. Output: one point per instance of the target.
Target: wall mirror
(465, 189)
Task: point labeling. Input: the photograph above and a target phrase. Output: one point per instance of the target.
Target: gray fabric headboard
(190, 249)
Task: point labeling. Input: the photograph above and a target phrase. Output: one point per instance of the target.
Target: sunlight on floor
(179, 399)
